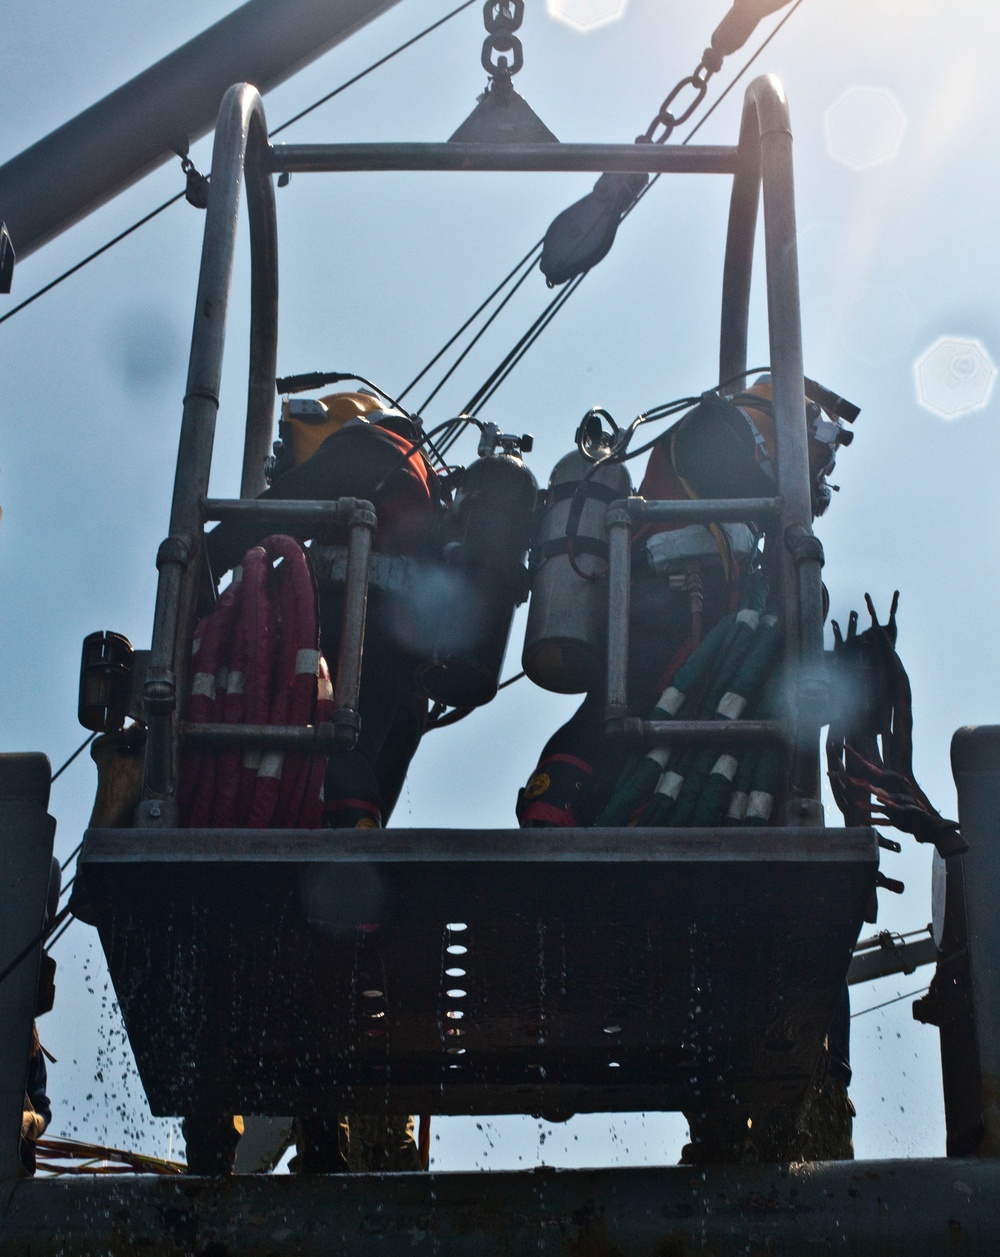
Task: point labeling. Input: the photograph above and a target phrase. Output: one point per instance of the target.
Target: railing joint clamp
(803, 545)
(174, 549)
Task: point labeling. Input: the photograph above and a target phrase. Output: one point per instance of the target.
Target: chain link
(731, 33)
(668, 121)
(501, 19)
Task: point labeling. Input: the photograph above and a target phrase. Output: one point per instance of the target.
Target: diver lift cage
(471, 971)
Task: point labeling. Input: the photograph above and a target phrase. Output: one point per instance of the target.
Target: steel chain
(501, 19)
(711, 63)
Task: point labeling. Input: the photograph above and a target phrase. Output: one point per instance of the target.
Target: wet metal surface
(476, 971)
(874, 1209)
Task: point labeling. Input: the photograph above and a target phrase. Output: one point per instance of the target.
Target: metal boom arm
(109, 146)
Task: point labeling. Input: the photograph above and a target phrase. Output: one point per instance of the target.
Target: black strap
(581, 545)
(586, 488)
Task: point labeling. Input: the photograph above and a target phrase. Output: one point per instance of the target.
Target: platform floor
(463, 971)
(931, 1208)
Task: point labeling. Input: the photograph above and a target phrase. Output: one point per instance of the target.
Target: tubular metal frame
(762, 159)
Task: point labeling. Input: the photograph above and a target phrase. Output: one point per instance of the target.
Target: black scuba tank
(492, 523)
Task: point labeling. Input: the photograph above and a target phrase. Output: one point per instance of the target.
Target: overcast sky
(894, 109)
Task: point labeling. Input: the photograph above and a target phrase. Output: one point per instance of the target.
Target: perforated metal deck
(469, 971)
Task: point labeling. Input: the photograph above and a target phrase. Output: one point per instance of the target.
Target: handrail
(764, 160)
(459, 156)
(263, 313)
(241, 126)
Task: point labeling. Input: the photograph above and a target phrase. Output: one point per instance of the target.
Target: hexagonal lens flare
(864, 127)
(954, 377)
(586, 15)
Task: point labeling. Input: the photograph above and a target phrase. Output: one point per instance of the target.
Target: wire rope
(886, 1003)
(122, 235)
(542, 323)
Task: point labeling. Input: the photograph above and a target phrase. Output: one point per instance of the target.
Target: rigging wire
(473, 342)
(886, 1004)
(526, 342)
(555, 305)
(52, 941)
(82, 747)
(39, 938)
(374, 66)
(122, 235)
(180, 195)
(535, 248)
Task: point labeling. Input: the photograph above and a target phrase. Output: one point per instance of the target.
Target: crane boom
(109, 146)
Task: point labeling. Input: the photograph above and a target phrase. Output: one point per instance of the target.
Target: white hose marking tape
(731, 706)
(670, 701)
(670, 785)
(235, 683)
(725, 766)
(251, 759)
(769, 621)
(749, 617)
(660, 755)
(306, 661)
(737, 806)
(759, 805)
(271, 764)
(203, 685)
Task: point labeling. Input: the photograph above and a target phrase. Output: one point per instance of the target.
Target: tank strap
(588, 488)
(581, 545)
(744, 403)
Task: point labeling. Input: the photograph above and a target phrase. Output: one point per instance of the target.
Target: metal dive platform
(465, 971)
(495, 971)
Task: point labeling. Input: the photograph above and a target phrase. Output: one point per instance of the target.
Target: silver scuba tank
(565, 639)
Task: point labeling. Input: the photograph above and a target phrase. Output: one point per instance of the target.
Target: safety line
(180, 195)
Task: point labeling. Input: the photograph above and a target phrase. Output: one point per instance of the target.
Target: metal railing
(763, 157)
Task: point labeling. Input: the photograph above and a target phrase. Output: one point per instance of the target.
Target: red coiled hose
(256, 660)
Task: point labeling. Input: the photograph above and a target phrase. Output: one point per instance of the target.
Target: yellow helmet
(309, 423)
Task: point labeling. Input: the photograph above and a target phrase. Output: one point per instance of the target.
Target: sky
(893, 105)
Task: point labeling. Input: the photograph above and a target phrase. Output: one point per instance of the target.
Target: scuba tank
(565, 638)
(491, 527)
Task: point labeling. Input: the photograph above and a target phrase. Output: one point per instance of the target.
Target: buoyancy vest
(360, 460)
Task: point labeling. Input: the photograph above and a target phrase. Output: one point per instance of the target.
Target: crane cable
(527, 340)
